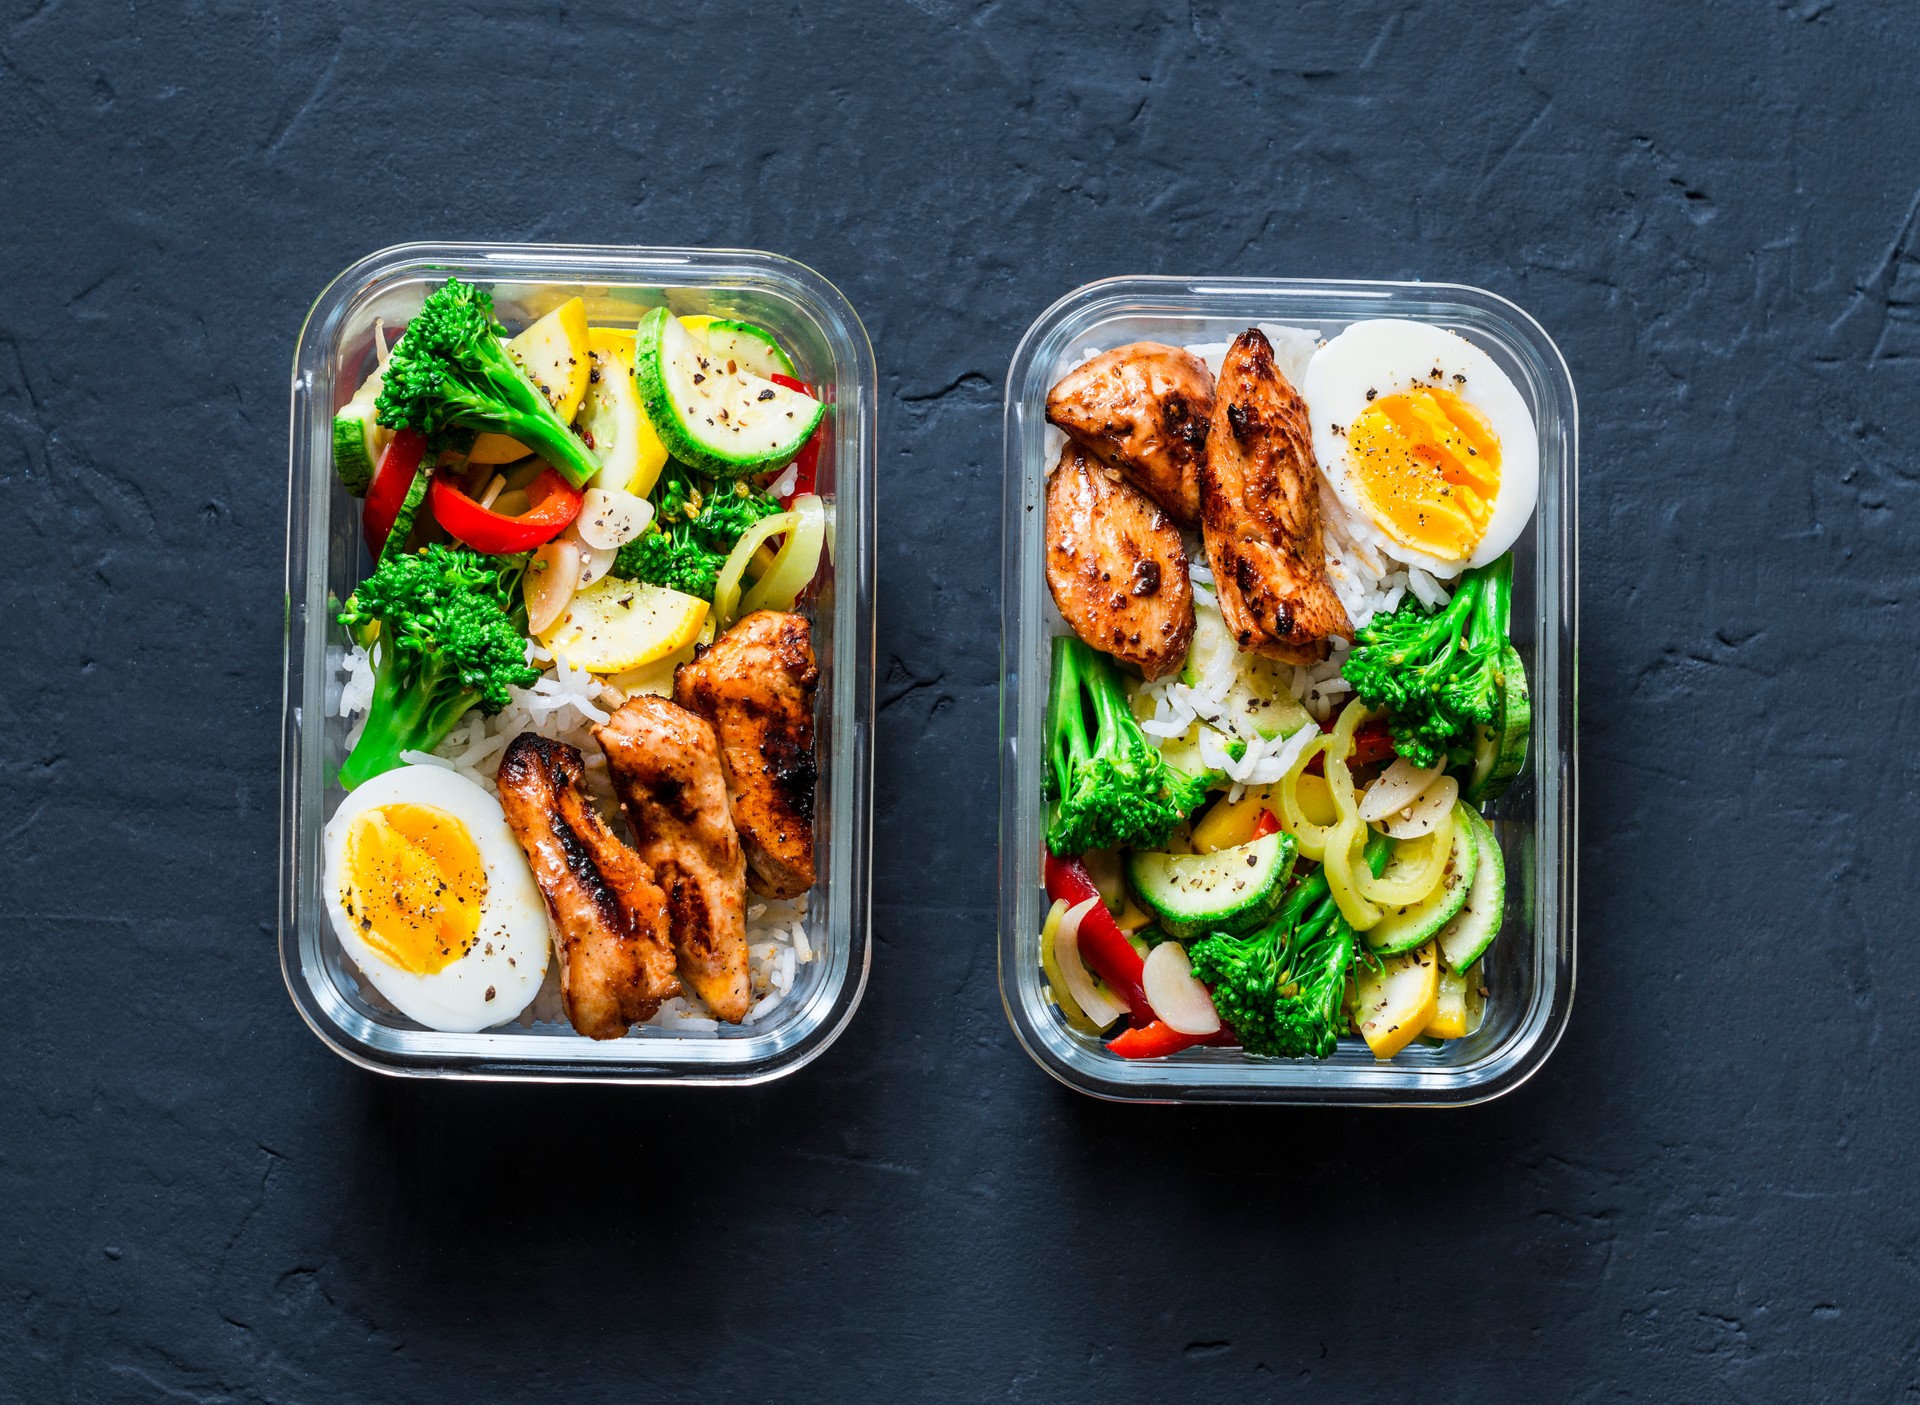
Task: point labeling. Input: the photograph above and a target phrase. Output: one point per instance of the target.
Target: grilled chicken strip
(1145, 409)
(755, 684)
(665, 764)
(609, 916)
(1116, 565)
(1260, 512)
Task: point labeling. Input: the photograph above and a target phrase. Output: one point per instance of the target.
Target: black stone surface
(1706, 1195)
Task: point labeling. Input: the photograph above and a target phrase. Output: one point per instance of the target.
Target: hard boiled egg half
(433, 899)
(1426, 442)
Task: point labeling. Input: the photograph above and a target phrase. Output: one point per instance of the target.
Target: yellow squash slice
(611, 420)
(1397, 1001)
(615, 625)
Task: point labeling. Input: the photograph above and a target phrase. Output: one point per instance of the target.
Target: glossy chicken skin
(1144, 408)
(1260, 512)
(665, 764)
(609, 916)
(755, 684)
(1116, 565)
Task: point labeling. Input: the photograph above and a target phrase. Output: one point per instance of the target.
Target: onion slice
(1098, 1005)
(595, 561)
(1427, 811)
(1177, 996)
(795, 564)
(726, 590)
(611, 517)
(1398, 786)
(552, 577)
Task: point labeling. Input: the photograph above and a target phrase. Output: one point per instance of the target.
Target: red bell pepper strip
(1103, 946)
(399, 461)
(1267, 823)
(1157, 1040)
(554, 503)
(1371, 742)
(808, 459)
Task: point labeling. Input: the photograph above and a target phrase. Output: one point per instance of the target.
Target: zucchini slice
(359, 439)
(725, 423)
(749, 347)
(1465, 939)
(1404, 928)
(1500, 751)
(1229, 890)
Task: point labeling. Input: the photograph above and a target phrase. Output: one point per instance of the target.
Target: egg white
(1390, 355)
(511, 943)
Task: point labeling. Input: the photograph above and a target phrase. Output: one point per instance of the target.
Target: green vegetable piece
(696, 523)
(450, 638)
(1228, 890)
(1439, 673)
(1107, 784)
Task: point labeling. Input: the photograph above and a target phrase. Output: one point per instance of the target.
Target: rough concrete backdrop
(1706, 1195)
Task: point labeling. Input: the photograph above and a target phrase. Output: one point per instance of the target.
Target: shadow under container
(1529, 971)
(325, 560)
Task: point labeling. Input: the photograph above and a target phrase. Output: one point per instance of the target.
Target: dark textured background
(1708, 1193)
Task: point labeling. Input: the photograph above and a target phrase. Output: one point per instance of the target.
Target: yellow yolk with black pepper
(413, 883)
(1426, 442)
(433, 899)
(1428, 465)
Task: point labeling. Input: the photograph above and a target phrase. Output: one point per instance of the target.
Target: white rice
(565, 703)
(1366, 579)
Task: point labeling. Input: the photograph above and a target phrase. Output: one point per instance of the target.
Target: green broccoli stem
(554, 442)
(1442, 629)
(410, 711)
(1066, 723)
(1494, 614)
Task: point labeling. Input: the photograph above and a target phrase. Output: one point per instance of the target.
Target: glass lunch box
(1529, 970)
(325, 559)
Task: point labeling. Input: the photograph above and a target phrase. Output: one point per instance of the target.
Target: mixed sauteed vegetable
(593, 548)
(1285, 691)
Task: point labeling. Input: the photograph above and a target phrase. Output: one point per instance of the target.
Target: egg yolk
(413, 883)
(1428, 464)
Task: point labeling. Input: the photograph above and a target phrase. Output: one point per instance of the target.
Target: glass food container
(1529, 970)
(325, 559)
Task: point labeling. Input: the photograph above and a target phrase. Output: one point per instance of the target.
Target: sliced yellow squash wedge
(616, 625)
(1456, 1012)
(611, 420)
(1398, 1000)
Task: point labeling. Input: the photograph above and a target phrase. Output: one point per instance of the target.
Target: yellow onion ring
(795, 563)
(726, 590)
(1310, 839)
(1420, 871)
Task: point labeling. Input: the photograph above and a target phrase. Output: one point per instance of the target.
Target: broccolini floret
(669, 559)
(694, 527)
(449, 637)
(1280, 987)
(1437, 672)
(450, 375)
(1107, 784)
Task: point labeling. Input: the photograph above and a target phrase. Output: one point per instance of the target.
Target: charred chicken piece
(1116, 565)
(1260, 512)
(665, 764)
(609, 916)
(1144, 408)
(755, 684)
